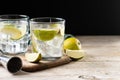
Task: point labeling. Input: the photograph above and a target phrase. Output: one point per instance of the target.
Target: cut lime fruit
(53, 25)
(75, 54)
(45, 34)
(11, 30)
(34, 46)
(34, 49)
(33, 57)
(9, 25)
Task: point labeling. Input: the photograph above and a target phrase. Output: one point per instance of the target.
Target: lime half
(45, 34)
(12, 31)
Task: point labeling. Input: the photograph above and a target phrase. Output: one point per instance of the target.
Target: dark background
(83, 17)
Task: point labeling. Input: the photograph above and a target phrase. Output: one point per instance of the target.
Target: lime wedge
(75, 54)
(33, 57)
(12, 31)
(45, 34)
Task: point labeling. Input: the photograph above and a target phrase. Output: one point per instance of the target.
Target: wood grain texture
(101, 62)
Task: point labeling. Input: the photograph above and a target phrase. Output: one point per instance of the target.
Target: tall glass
(47, 35)
(14, 33)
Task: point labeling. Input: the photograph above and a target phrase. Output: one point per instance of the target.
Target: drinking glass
(14, 33)
(47, 36)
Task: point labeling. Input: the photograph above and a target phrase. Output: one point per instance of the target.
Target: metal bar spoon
(12, 63)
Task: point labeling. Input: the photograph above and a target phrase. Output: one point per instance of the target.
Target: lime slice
(45, 34)
(75, 54)
(59, 27)
(12, 31)
(34, 46)
(9, 25)
(33, 57)
(53, 25)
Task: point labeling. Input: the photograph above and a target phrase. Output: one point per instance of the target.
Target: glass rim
(13, 16)
(41, 20)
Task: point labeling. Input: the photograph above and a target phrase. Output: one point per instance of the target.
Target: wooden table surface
(101, 62)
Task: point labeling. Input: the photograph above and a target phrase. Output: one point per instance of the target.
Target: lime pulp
(45, 34)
